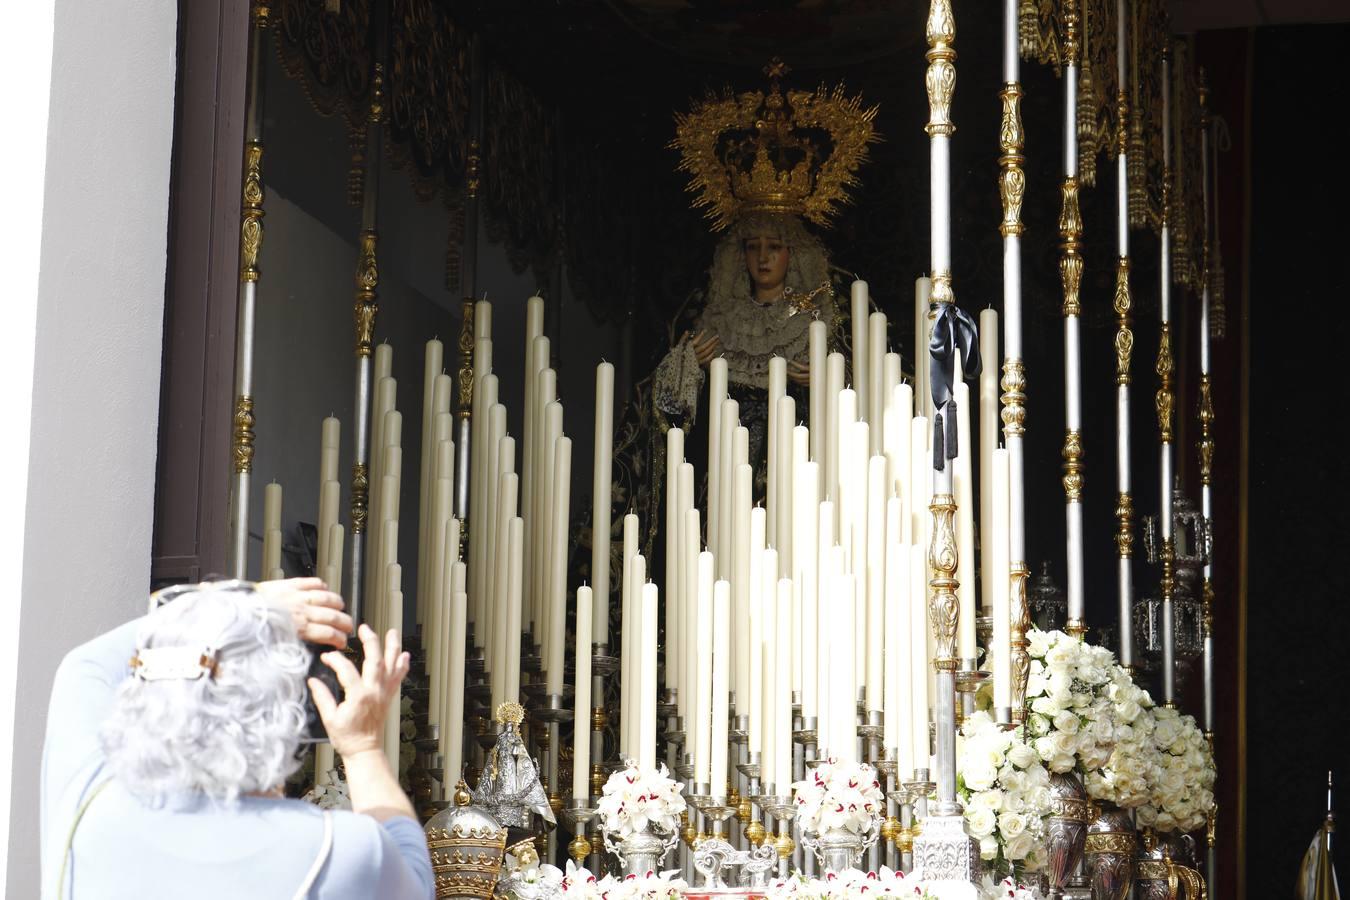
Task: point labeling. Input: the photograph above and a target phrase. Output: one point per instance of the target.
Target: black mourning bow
(954, 333)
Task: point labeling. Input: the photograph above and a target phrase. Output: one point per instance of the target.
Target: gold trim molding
(367, 285)
(243, 434)
(943, 610)
(251, 213)
(1073, 465)
(1071, 233)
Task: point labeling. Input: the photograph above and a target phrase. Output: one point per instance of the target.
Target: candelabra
(1186, 554)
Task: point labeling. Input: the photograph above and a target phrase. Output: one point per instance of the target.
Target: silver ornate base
(943, 858)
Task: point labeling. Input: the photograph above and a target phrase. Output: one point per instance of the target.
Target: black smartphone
(314, 730)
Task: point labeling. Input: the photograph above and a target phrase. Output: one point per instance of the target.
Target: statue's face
(766, 259)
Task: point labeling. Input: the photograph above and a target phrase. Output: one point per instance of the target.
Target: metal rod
(250, 245)
(1205, 450)
(1071, 277)
(1124, 346)
(1164, 401)
(366, 307)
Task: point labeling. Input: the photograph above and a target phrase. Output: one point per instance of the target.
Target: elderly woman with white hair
(170, 737)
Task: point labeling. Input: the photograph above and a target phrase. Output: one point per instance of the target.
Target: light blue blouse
(262, 848)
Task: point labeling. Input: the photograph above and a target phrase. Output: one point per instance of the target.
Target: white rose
(1065, 742)
(981, 821)
(1011, 824)
(1012, 780)
(1019, 847)
(1038, 725)
(1021, 755)
(1066, 722)
(1060, 763)
(991, 800)
(1038, 643)
(979, 775)
(989, 847)
(1045, 746)
(1047, 706)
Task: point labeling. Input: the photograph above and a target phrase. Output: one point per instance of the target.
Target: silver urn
(837, 849)
(1066, 829)
(1109, 853)
(642, 851)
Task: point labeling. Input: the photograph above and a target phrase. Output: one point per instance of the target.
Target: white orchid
(580, 884)
(633, 801)
(836, 795)
(850, 884)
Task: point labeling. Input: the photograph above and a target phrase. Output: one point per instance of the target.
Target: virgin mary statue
(767, 167)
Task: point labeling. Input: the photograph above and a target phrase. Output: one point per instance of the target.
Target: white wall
(95, 356)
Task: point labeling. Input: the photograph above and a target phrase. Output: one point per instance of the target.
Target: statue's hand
(799, 373)
(705, 346)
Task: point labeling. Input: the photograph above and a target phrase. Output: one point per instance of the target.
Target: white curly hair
(234, 732)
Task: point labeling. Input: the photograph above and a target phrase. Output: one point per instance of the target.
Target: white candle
(834, 384)
(689, 547)
(546, 394)
(434, 627)
(782, 484)
(628, 633)
(431, 368)
(538, 461)
(529, 439)
(847, 491)
(1000, 565)
(717, 392)
(674, 591)
(826, 562)
(898, 647)
(740, 676)
(647, 690)
(484, 395)
(989, 441)
(898, 455)
(601, 485)
(920, 462)
(454, 688)
(562, 491)
(843, 694)
(892, 374)
(393, 580)
(336, 535)
(876, 582)
(777, 391)
(782, 716)
(514, 597)
(496, 425)
(271, 552)
(507, 489)
(701, 729)
(923, 290)
(817, 338)
(918, 655)
(768, 617)
(721, 667)
(862, 380)
(805, 510)
(330, 441)
(631, 697)
(581, 736)
(755, 648)
(726, 464)
(482, 319)
(876, 374)
(965, 525)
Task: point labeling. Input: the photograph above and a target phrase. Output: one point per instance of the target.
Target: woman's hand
(705, 346)
(799, 373)
(315, 610)
(357, 723)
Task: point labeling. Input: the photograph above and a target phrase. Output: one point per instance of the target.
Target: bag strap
(325, 847)
(70, 835)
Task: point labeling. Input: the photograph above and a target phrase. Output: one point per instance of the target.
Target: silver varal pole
(365, 308)
(250, 245)
(941, 850)
(1206, 452)
(1012, 190)
(1164, 402)
(1124, 346)
(1071, 278)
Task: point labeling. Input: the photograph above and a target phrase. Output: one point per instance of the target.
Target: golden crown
(772, 152)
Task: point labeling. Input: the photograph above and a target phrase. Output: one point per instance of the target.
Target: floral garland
(1134, 766)
(1071, 723)
(850, 884)
(839, 795)
(633, 801)
(1005, 789)
(1183, 794)
(580, 884)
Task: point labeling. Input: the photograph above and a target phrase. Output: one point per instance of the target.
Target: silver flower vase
(1066, 831)
(1109, 853)
(1151, 868)
(641, 852)
(837, 849)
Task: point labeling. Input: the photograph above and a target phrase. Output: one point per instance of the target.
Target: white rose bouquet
(1070, 722)
(1134, 766)
(633, 801)
(1183, 794)
(838, 795)
(1005, 788)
